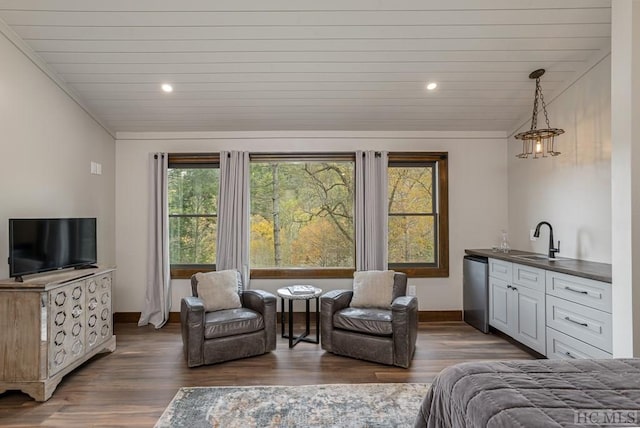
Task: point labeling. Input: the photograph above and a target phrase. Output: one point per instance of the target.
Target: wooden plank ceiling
(253, 65)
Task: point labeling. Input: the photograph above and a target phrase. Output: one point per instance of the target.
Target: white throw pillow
(372, 289)
(219, 290)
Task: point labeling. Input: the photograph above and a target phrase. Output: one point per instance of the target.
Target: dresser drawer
(561, 346)
(589, 325)
(529, 277)
(588, 292)
(500, 269)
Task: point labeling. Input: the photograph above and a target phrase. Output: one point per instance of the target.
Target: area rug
(332, 405)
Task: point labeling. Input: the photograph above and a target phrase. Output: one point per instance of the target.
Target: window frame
(412, 270)
(439, 269)
(186, 161)
(299, 272)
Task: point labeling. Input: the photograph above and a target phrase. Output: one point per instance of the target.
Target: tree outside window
(418, 221)
(193, 206)
(302, 214)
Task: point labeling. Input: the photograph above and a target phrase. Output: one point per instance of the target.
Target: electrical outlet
(411, 290)
(531, 237)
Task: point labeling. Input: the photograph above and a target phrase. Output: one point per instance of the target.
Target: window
(418, 216)
(302, 216)
(193, 182)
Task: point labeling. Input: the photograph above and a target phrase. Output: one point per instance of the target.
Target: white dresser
(52, 324)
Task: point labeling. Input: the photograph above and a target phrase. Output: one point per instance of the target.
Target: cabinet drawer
(588, 292)
(561, 346)
(500, 269)
(589, 325)
(528, 276)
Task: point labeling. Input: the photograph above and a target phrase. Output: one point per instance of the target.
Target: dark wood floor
(133, 385)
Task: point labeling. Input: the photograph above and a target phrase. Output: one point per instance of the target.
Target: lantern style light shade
(538, 142)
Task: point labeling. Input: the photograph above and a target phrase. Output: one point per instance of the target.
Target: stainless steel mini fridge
(476, 292)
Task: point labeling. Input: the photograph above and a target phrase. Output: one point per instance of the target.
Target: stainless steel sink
(541, 257)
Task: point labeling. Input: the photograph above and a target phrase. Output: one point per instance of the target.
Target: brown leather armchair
(386, 336)
(217, 336)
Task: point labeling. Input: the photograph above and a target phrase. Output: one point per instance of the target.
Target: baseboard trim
(174, 317)
(437, 316)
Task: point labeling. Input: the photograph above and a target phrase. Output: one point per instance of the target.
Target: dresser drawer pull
(584, 324)
(568, 354)
(576, 291)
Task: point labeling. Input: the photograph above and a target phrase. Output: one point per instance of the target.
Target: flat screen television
(45, 244)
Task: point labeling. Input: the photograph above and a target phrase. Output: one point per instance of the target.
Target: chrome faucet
(552, 251)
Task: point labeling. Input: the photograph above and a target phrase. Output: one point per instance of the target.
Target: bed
(534, 393)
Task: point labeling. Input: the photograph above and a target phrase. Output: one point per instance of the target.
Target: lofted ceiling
(250, 65)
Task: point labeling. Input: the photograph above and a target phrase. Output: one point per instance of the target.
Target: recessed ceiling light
(432, 85)
(167, 87)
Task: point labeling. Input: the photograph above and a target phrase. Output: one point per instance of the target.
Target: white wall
(571, 191)
(625, 177)
(477, 198)
(46, 148)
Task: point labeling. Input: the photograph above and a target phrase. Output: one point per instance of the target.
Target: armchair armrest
(192, 305)
(404, 324)
(264, 303)
(404, 304)
(330, 303)
(336, 300)
(258, 300)
(192, 326)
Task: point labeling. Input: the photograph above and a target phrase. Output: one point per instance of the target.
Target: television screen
(40, 245)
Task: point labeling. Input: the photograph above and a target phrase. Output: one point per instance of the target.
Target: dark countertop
(591, 270)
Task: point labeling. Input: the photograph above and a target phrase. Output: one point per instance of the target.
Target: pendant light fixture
(538, 142)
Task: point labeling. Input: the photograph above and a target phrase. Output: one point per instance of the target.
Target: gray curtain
(232, 249)
(371, 210)
(157, 302)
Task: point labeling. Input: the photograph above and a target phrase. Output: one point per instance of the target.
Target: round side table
(285, 293)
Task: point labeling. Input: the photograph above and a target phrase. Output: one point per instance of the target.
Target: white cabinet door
(530, 325)
(500, 308)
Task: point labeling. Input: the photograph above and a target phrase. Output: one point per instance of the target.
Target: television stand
(76, 278)
(51, 325)
(89, 266)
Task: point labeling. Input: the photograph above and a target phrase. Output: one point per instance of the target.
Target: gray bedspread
(538, 393)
